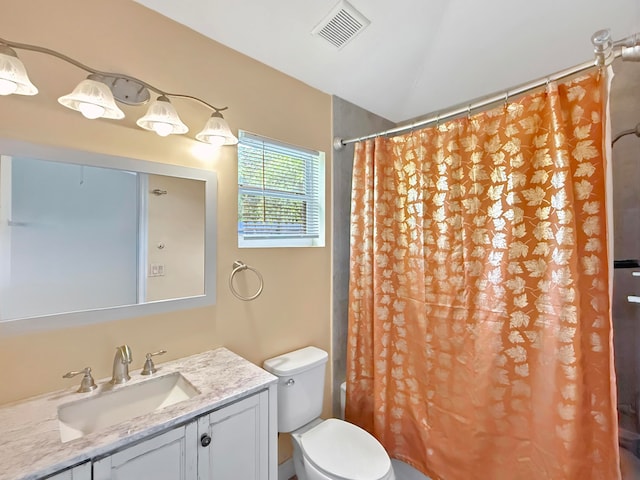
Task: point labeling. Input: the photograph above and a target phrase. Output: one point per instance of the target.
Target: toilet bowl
(329, 449)
(335, 449)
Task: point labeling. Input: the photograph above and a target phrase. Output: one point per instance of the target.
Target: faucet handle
(149, 366)
(87, 384)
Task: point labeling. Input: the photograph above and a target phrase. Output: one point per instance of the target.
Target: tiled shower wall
(625, 115)
(349, 121)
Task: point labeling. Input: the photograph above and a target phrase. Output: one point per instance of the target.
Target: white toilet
(322, 449)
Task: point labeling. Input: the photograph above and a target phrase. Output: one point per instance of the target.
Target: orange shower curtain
(479, 319)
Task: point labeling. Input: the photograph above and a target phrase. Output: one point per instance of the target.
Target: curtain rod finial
(337, 144)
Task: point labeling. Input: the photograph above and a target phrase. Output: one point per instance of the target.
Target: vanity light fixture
(13, 75)
(96, 96)
(93, 99)
(216, 131)
(162, 118)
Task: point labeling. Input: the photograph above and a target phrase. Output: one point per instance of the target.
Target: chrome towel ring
(239, 266)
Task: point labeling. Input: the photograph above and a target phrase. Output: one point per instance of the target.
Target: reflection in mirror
(71, 234)
(104, 236)
(175, 238)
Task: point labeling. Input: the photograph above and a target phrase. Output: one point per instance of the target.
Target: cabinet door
(80, 472)
(169, 456)
(239, 441)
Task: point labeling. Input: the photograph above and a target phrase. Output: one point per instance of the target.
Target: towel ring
(239, 266)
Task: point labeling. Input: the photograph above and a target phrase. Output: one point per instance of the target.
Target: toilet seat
(344, 451)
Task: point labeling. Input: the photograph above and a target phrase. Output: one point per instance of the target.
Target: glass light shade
(217, 132)
(13, 75)
(93, 99)
(162, 118)
(90, 111)
(7, 87)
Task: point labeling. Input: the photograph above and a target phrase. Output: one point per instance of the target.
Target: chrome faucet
(87, 384)
(121, 363)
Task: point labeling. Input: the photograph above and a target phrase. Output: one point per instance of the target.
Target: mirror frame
(18, 148)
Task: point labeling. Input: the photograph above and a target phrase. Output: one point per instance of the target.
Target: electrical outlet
(156, 270)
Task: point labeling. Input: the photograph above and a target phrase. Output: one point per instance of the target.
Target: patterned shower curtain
(480, 338)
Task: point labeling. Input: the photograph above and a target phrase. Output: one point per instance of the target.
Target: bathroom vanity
(214, 416)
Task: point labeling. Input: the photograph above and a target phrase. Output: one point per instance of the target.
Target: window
(280, 194)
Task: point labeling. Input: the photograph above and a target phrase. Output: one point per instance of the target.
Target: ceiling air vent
(341, 25)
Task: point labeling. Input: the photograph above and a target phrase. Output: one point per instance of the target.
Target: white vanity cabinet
(79, 472)
(168, 456)
(231, 443)
(234, 441)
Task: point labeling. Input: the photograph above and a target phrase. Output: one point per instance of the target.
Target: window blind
(278, 190)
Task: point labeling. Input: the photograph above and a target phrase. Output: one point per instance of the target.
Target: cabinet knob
(205, 440)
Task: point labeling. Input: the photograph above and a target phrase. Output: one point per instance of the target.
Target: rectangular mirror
(86, 237)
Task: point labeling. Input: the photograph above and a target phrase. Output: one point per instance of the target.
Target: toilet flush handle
(290, 382)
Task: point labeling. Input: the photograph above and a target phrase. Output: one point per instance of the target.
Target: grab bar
(629, 263)
(634, 298)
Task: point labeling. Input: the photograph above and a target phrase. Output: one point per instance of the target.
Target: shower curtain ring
(469, 112)
(506, 99)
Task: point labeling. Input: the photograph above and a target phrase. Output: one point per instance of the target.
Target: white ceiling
(416, 56)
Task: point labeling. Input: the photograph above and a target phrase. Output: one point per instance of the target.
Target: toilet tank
(300, 386)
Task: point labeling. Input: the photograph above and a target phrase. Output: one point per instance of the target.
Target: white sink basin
(89, 415)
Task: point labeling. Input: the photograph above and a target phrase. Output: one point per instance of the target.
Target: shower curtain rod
(605, 54)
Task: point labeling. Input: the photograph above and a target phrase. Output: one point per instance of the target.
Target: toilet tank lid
(296, 361)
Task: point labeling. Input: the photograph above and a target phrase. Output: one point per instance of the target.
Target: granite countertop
(30, 445)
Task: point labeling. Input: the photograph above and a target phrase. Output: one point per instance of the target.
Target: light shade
(217, 132)
(162, 118)
(13, 75)
(93, 99)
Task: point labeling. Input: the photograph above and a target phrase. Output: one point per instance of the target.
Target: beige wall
(175, 240)
(122, 36)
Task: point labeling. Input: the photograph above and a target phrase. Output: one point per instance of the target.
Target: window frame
(268, 241)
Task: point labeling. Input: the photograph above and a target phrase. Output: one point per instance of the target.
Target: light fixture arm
(190, 97)
(107, 75)
(48, 51)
